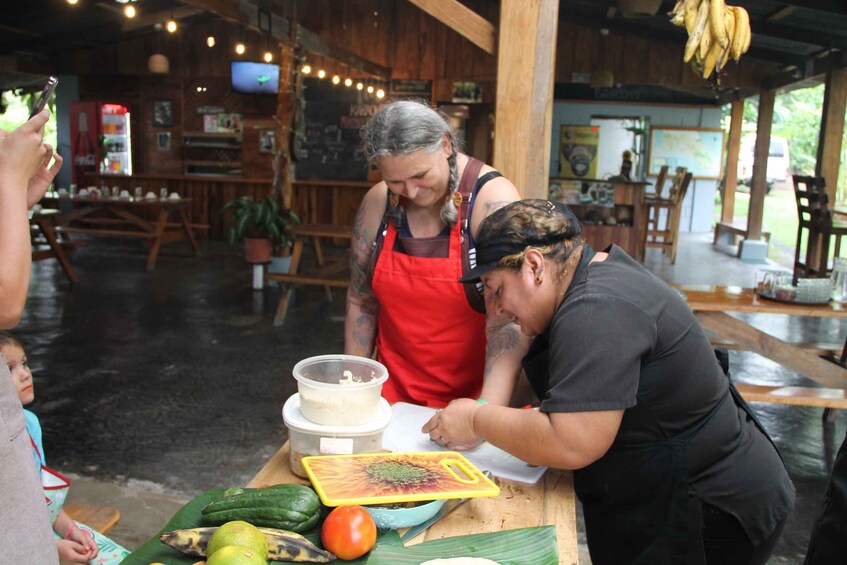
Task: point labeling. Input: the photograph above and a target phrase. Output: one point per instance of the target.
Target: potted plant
(261, 224)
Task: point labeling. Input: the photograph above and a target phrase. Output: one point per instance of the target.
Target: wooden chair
(667, 238)
(815, 217)
(660, 182)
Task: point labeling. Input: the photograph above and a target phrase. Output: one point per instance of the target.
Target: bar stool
(815, 216)
(667, 238)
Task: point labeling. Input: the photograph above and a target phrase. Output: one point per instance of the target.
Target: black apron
(636, 499)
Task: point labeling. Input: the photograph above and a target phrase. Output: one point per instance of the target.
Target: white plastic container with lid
(307, 438)
(339, 390)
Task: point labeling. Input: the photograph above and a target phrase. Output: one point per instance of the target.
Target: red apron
(429, 337)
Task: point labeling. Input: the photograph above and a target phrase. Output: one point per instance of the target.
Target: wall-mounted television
(255, 78)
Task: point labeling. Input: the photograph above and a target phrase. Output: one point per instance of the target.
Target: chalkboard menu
(333, 117)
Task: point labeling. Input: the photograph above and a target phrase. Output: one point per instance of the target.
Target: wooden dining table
(712, 305)
(44, 222)
(550, 501)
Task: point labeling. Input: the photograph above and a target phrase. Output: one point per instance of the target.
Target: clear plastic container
(339, 390)
(307, 438)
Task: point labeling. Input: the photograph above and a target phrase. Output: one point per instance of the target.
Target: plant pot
(257, 250)
(279, 264)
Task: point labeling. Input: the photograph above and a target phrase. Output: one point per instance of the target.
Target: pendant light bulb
(73, 2)
(348, 82)
(210, 41)
(268, 56)
(380, 94)
(306, 69)
(321, 73)
(171, 26)
(129, 11)
(370, 89)
(239, 48)
(359, 86)
(336, 79)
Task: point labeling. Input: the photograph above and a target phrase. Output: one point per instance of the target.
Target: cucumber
(288, 507)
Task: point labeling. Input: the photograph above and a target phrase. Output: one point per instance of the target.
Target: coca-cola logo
(85, 160)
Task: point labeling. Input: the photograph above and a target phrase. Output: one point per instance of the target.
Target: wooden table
(45, 221)
(548, 502)
(122, 217)
(711, 304)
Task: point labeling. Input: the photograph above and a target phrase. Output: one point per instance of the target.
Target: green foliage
(17, 112)
(260, 219)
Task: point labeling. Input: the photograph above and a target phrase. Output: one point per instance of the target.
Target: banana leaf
(154, 551)
(524, 546)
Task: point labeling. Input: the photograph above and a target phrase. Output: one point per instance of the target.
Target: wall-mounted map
(700, 150)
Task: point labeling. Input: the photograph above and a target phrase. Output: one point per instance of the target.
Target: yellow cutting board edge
(486, 487)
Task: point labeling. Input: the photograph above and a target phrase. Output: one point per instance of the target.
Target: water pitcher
(839, 280)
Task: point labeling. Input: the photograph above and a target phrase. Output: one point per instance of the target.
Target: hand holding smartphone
(46, 93)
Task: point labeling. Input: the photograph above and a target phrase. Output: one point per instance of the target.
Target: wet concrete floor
(153, 386)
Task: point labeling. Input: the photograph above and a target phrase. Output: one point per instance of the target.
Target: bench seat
(734, 231)
(100, 518)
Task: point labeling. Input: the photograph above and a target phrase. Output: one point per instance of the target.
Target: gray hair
(406, 126)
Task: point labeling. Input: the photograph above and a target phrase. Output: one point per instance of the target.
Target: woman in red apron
(412, 239)
(76, 543)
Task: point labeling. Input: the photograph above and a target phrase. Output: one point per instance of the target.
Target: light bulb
(380, 93)
(210, 41)
(348, 82)
(306, 69)
(336, 79)
(73, 2)
(171, 26)
(268, 56)
(359, 86)
(239, 48)
(321, 73)
(370, 89)
(129, 11)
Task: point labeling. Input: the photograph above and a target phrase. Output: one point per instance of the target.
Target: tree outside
(14, 111)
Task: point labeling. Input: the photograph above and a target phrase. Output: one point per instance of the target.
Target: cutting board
(384, 478)
(404, 434)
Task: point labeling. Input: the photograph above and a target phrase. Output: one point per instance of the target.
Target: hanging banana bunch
(716, 33)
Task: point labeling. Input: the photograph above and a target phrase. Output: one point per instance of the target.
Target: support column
(731, 174)
(754, 248)
(832, 130)
(526, 56)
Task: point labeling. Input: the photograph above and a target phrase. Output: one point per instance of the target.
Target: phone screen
(46, 93)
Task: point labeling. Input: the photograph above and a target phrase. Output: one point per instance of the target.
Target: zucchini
(288, 507)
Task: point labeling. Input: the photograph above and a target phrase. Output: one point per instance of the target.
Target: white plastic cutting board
(404, 434)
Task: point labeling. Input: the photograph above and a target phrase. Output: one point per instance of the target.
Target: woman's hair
(6, 338)
(406, 126)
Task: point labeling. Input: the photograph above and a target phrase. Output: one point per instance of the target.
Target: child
(75, 542)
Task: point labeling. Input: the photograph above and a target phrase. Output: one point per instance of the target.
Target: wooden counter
(548, 502)
(314, 200)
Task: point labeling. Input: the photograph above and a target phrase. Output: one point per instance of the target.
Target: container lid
(347, 362)
(295, 420)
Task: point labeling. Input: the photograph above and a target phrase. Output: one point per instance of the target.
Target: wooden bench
(100, 518)
(734, 231)
(829, 350)
(830, 399)
(326, 274)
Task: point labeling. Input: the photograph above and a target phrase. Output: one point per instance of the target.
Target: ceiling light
(171, 26)
(380, 93)
(348, 82)
(268, 56)
(239, 48)
(73, 2)
(359, 86)
(210, 41)
(306, 69)
(336, 79)
(129, 11)
(321, 73)
(370, 89)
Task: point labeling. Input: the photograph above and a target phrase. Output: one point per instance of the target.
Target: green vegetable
(288, 507)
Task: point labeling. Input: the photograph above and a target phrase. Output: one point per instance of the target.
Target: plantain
(710, 61)
(717, 22)
(676, 15)
(282, 544)
(731, 31)
(689, 14)
(705, 42)
(694, 38)
(742, 32)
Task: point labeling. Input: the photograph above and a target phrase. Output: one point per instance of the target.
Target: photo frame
(163, 141)
(267, 141)
(163, 113)
(700, 150)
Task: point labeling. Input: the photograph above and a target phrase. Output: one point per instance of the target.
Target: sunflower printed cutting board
(385, 478)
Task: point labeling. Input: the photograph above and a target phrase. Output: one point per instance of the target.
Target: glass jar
(839, 280)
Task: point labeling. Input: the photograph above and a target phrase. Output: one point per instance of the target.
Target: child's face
(21, 375)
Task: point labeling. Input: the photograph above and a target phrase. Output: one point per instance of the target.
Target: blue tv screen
(255, 78)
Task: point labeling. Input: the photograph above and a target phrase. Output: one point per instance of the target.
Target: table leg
(820, 370)
(186, 226)
(50, 235)
(157, 243)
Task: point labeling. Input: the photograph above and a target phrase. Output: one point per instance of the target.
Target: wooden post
(832, 130)
(731, 173)
(760, 164)
(524, 106)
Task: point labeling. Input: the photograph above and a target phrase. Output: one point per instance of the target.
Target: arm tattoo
(361, 249)
(501, 339)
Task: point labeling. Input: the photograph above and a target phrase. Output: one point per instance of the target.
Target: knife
(448, 507)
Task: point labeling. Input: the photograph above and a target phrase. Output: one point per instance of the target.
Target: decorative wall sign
(163, 141)
(411, 87)
(700, 150)
(467, 92)
(578, 151)
(210, 110)
(163, 113)
(267, 141)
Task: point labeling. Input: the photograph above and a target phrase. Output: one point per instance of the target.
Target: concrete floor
(155, 386)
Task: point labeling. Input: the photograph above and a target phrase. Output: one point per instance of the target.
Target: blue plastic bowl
(393, 518)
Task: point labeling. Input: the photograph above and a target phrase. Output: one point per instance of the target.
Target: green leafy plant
(259, 219)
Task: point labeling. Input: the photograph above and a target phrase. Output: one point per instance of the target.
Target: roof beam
(781, 13)
(829, 6)
(463, 21)
(147, 20)
(817, 37)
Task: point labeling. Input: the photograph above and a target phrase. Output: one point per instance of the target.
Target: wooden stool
(100, 518)
(666, 238)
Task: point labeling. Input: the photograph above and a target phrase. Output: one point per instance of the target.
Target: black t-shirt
(623, 339)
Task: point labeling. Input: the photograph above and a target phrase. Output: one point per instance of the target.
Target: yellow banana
(717, 22)
(689, 14)
(693, 43)
(705, 41)
(731, 31)
(282, 544)
(676, 15)
(742, 30)
(710, 61)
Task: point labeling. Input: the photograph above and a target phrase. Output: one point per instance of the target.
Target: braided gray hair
(406, 126)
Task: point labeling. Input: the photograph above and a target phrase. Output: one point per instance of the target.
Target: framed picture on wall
(163, 113)
(267, 141)
(163, 141)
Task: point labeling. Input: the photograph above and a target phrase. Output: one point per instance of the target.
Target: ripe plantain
(717, 22)
(741, 39)
(693, 43)
(710, 61)
(282, 544)
(731, 30)
(689, 14)
(705, 42)
(676, 15)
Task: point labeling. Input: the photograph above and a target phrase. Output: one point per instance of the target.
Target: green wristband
(482, 401)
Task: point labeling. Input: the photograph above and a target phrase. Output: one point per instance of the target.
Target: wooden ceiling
(800, 38)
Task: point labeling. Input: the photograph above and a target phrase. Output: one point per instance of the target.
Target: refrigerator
(100, 140)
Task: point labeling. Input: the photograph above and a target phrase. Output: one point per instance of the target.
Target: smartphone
(46, 93)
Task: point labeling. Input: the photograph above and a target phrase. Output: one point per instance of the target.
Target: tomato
(349, 532)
